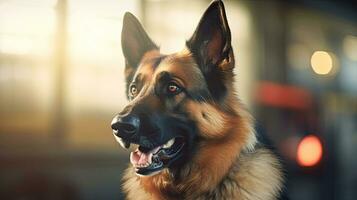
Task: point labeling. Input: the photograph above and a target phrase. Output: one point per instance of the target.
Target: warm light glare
(309, 151)
(27, 27)
(321, 62)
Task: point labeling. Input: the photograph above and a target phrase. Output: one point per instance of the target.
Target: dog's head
(176, 101)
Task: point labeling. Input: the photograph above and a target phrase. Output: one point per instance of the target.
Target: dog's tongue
(138, 158)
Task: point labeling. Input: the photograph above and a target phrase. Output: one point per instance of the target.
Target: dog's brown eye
(133, 90)
(173, 88)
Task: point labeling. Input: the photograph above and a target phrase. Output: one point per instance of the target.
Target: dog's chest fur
(254, 175)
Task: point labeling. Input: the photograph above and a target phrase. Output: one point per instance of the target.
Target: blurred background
(61, 82)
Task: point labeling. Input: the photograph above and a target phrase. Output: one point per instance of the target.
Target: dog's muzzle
(152, 155)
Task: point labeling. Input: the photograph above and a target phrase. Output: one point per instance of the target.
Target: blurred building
(61, 82)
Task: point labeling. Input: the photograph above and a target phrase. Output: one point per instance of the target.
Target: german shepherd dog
(195, 139)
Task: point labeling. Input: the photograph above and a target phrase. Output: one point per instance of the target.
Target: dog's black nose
(125, 126)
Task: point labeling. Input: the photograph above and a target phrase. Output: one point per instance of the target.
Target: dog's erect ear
(211, 41)
(211, 47)
(134, 40)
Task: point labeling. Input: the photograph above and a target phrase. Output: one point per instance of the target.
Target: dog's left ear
(211, 41)
(135, 41)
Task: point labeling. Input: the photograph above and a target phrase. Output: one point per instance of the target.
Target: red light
(309, 151)
(283, 96)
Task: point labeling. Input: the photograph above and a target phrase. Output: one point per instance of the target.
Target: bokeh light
(309, 151)
(321, 62)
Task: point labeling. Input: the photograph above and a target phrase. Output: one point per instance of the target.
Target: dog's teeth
(143, 165)
(169, 143)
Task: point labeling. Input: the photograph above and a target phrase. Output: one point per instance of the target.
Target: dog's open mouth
(151, 161)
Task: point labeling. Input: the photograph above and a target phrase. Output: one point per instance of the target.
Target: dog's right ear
(135, 41)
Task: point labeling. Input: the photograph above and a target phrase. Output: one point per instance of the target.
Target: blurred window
(26, 48)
